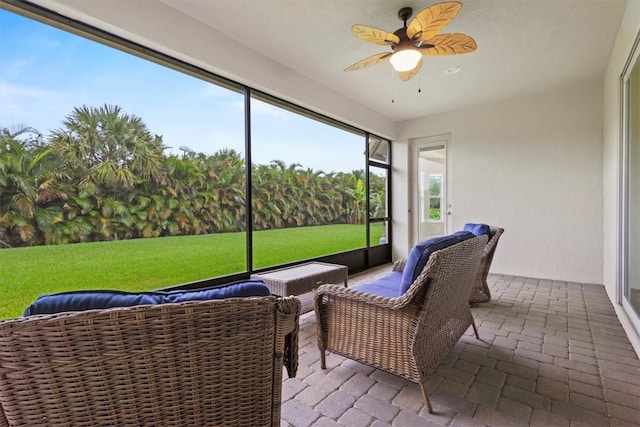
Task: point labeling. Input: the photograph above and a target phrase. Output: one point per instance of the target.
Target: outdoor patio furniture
(406, 335)
(480, 291)
(196, 363)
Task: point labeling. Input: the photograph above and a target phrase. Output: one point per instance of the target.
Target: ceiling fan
(409, 43)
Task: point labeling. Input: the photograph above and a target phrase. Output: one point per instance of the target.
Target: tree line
(104, 176)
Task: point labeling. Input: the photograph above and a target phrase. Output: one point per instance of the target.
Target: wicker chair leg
(323, 361)
(475, 328)
(425, 394)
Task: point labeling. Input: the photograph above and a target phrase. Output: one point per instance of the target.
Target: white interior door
(430, 203)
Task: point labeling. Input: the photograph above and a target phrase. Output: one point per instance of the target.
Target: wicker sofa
(410, 334)
(197, 363)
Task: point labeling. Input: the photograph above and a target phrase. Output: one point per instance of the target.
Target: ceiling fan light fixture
(405, 59)
(420, 36)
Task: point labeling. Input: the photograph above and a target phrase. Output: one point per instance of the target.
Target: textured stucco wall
(532, 165)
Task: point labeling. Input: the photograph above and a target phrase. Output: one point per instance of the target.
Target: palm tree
(109, 149)
(225, 190)
(108, 154)
(29, 184)
(266, 213)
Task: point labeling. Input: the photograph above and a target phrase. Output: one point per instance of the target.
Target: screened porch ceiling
(524, 46)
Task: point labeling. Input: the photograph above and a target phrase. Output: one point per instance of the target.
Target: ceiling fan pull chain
(419, 84)
(392, 97)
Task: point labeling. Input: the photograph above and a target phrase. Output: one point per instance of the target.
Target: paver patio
(551, 353)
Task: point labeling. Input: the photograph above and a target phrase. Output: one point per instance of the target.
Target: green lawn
(145, 264)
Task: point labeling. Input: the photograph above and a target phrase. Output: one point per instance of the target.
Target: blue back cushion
(248, 288)
(387, 286)
(420, 253)
(478, 229)
(101, 299)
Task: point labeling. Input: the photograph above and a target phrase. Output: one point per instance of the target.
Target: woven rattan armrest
(340, 292)
(480, 291)
(288, 313)
(3, 419)
(399, 264)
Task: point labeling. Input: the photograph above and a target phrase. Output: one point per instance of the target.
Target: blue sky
(46, 72)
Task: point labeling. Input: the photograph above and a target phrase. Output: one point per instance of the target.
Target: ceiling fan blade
(431, 20)
(448, 44)
(369, 61)
(375, 35)
(408, 75)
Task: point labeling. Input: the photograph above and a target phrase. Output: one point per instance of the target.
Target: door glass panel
(431, 191)
(435, 197)
(632, 292)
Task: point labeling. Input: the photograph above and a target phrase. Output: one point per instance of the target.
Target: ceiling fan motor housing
(404, 14)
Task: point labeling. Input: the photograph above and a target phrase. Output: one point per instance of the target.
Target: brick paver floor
(551, 353)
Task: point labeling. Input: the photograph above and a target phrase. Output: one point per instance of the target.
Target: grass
(145, 264)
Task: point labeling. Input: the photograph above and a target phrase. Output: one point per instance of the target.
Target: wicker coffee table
(302, 279)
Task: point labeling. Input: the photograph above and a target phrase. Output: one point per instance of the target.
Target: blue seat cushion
(477, 229)
(387, 286)
(420, 253)
(101, 299)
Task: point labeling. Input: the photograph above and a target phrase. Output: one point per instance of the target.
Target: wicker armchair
(480, 291)
(408, 335)
(205, 363)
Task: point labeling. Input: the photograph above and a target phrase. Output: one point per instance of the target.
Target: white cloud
(9, 90)
(263, 108)
(213, 91)
(16, 68)
(33, 106)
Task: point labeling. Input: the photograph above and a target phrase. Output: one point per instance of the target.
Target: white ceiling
(524, 46)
